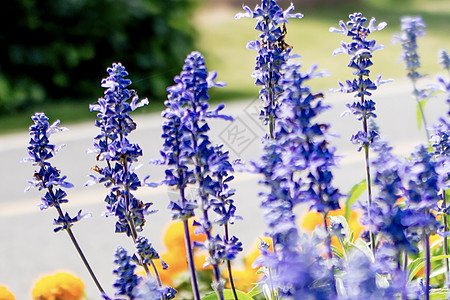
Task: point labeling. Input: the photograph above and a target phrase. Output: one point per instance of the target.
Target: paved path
(29, 247)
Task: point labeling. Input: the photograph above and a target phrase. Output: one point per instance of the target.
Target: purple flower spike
(192, 159)
(48, 177)
(412, 28)
(113, 146)
(273, 52)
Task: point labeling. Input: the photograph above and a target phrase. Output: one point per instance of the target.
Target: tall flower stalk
(273, 52)
(193, 160)
(113, 147)
(413, 28)
(49, 178)
(360, 50)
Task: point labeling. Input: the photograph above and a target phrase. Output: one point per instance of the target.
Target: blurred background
(53, 55)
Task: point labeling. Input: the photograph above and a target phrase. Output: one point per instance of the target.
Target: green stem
(330, 252)
(368, 179)
(445, 243)
(422, 113)
(190, 259)
(427, 266)
(403, 267)
(230, 273)
(77, 246)
(328, 239)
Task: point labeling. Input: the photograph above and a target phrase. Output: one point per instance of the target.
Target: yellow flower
(245, 277)
(5, 294)
(313, 219)
(59, 286)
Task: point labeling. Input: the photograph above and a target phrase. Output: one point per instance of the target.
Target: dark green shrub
(61, 49)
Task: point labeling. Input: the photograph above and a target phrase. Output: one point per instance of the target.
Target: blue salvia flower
(127, 281)
(360, 49)
(420, 187)
(440, 139)
(149, 290)
(365, 278)
(40, 150)
(412, 28)
(306, 142)
(386, 216)
(113, 147)
(119, 153)
(299, 271)
(222, 204)
(440, 142)
(145, 250)
(192, 159)
(273, 52)
(296, 168)
(443, 86)
(444, 59)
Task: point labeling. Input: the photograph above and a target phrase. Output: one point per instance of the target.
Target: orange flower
(176, 256)
(61, 285)
(5, 294)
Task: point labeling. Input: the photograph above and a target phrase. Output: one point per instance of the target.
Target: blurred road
(29, 248)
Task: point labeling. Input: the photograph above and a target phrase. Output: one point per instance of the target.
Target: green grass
(222, 40)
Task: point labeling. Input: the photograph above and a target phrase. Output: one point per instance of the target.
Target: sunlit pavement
(29, 248)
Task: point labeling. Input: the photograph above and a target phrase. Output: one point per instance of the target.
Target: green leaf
(416, 265)
(439, 293)
(419, 112)
(228, 295)
(256, 290)
(364, 247)
(354, 194)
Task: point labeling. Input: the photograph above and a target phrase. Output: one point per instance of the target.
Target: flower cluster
(273, 52)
